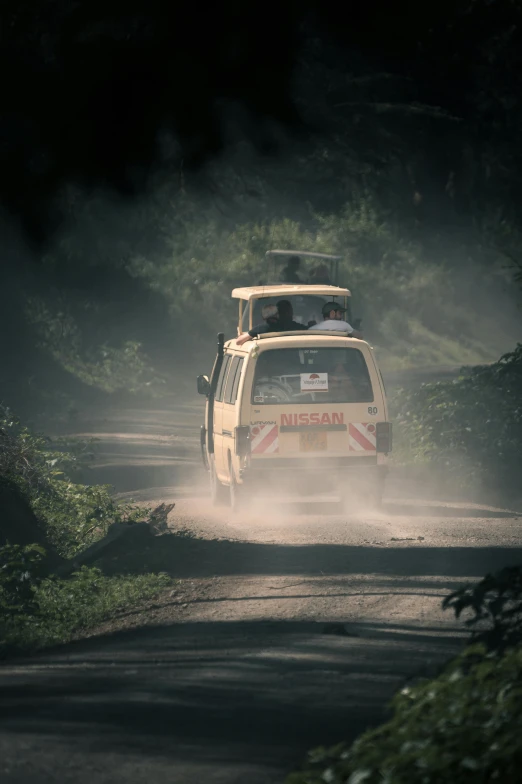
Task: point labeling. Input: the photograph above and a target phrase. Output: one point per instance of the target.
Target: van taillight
(383, 435)
(243, 440)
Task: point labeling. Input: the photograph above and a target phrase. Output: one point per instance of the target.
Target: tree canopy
(102, 93)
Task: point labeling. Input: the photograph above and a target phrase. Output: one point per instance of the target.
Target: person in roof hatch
(289, 273)
(286, 317)
(320, 275)
(333, 320)
(271, 316)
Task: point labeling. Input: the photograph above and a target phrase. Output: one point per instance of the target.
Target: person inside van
(289, 273)
(333, 320)
(341, 388)
(278, 318)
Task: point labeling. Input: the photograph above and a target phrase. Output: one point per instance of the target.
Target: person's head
(339, 369)
(285, 310)
(270, 313)
(333, 310)
(320, 272)
(294, 263)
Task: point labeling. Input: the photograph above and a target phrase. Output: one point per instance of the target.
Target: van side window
(233, 380)
(235, 387)
(221, 380)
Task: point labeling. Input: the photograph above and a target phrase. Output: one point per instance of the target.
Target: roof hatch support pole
(240, 318)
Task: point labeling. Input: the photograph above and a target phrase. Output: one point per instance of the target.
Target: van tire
(237, 493)
(218, 492)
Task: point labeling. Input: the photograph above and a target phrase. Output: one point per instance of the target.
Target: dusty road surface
(290, 625)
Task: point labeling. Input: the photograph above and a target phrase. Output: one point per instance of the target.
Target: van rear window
(311, 375)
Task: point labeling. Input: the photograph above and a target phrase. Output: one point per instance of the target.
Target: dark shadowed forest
(149, 162)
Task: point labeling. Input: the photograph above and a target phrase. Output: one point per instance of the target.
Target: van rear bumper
(327, 471)
(317, 464)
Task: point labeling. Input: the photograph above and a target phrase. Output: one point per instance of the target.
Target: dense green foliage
(469, 428)
(73, 514)
(111, 368)
(37, 611)
(495, 604)
(21, 571)
(463, 727)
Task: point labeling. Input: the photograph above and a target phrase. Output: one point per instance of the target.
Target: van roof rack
(304, 333)
(306, 253)
(289, 289)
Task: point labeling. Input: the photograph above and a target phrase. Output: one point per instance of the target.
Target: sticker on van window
(259, 399)
(314, 382)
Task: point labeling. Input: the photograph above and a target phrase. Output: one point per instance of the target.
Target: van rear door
(315, 400)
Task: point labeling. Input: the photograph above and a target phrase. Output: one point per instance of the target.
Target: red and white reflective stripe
(362, 437)
(264, 439)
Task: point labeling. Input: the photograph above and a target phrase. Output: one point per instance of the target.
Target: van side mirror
(203, 385)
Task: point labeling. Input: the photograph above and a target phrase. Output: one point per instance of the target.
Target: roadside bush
(463, 727)
(21, 570)
(496, 606)
(36, 611)
(471, 427)
(111, 368)
(77, 515)
(72, 514)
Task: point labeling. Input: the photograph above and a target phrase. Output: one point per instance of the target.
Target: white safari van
(301, 412)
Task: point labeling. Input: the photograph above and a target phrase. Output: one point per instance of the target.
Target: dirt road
(290, 626)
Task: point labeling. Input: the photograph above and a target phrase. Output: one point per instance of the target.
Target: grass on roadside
(36, 612)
